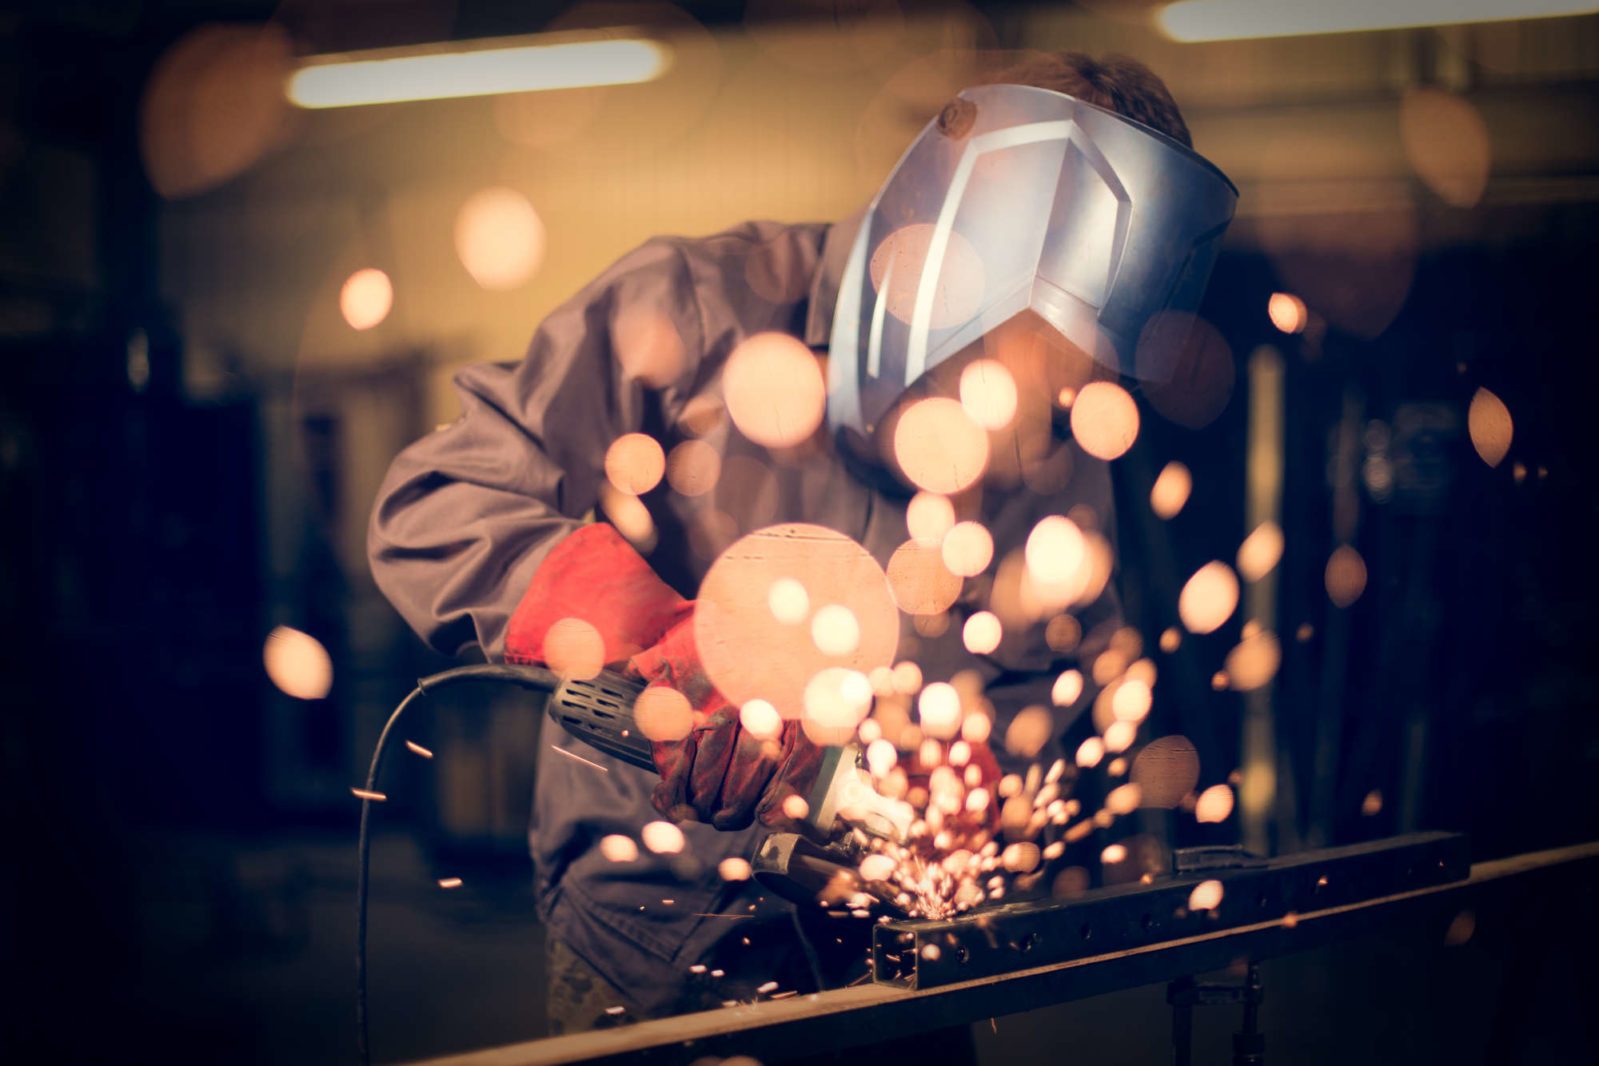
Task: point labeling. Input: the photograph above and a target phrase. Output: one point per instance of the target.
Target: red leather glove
(719, 773)
(596, 576)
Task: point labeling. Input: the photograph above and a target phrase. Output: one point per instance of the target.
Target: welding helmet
(1014, 200)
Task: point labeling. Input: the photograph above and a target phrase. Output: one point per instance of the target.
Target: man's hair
(1117, 83)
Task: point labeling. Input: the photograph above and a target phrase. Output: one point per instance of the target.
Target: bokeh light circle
(297, 663)
(1215, 804)
(499, 238)
(1166, 771)
(749, 653)
(663, 714)
(920, 582)
(366, 298)
(929, 516)
(693, 468)
(1208, 598)
(761, 720)
(967, 549)
(574, 649)
(789, 601)
(896, 268)
(982, 633)
(1490, 426)
(1202, 379)
(1260, 551)
(1345, 575)
(1068, 688)
(834, 630)
(1206, 896)
(1287, 312)
(663, 838)
(214, 106)
(835, 701)
(939, 710)
(774, 390)
(939, 448)
(618, 848)
(1446, 142)
(1254, 661)
(1104, 419)
(649, 347)
(1056, 550)
(634, 463)
(1029, 731)
(1171, 490)
(988, 393)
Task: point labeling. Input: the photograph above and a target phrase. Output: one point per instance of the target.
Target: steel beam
(775, 1031)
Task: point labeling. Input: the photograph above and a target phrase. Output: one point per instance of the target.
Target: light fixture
(1228, 20)
(474, 68)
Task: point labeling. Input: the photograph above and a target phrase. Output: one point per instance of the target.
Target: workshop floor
(244, 955)
(247, 954)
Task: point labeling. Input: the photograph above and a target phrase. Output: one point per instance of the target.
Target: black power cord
(529, 677)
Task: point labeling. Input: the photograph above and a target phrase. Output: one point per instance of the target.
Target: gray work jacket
(467, 513)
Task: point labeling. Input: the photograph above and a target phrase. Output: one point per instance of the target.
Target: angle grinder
(796, 866)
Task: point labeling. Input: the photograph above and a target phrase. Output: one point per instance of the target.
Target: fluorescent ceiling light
(1229, 20)
(473, 68)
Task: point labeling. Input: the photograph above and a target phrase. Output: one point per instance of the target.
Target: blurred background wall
(203, 378)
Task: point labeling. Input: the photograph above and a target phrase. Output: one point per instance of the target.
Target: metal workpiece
(1018, 936)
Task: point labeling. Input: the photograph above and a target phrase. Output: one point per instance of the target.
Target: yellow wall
(739, 128)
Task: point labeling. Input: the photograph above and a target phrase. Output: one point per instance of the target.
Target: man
(1045, 220)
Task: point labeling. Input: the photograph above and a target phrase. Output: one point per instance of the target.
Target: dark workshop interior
(225, 308)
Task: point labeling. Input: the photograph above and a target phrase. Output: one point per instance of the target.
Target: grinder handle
(599, 712)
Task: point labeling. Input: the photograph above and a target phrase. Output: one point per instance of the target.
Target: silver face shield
(1019, 199)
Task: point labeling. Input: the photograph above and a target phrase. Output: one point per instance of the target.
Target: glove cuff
(596, 576)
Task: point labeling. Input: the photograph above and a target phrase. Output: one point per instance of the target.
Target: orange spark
(579, 758)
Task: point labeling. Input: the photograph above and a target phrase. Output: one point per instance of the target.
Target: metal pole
(1266, 780)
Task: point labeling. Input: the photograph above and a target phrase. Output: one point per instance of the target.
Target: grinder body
(599, 712)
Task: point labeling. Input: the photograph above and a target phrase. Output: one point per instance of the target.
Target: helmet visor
(1019, 199)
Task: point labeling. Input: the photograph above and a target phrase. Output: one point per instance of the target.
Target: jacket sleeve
(466, 514)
